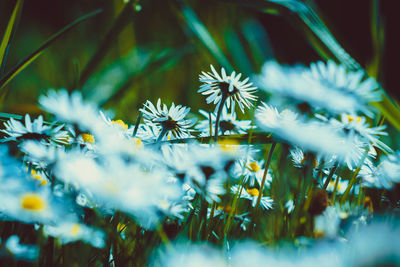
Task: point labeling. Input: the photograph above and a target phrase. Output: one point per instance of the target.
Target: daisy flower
(252, 195)
(221, 88)
(385, 175)
(336, 77)
(168, 120)
(72, 109)
(34, 130)
(252, 171)
(312, 135)
(68, 232)
(117, 124)
(25, 202)
(323, 86)
(359, 127)
(21, 251)
(228, 123)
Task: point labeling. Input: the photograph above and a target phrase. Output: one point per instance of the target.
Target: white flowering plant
(308, 173)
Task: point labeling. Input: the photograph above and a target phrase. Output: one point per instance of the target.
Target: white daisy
(35, 130)
(72, 109)
(221, 88)
(361, 129)
(118, 124)
(68, 232)
(228, 123)
(336, 77)
(168, 120)
(252, 171)
(21, 251)
(253, 194)
(312, 135)
(385, 175)
(328, 87)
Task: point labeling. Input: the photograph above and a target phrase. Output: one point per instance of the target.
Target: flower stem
(271, 151)
(221, 106)
(139, 118)
(329, 178)
(160, 137)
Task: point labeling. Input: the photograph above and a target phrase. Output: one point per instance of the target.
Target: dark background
(157, 26)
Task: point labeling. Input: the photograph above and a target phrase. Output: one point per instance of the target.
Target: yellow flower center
(137, 141)
(88, 138)
(302, 162)
(120, 123)
(75, 229)
(253, 192)
(351, 118)
(32, 202)
(121, 227)
(226, 209)
(228, 146)
(254, 167)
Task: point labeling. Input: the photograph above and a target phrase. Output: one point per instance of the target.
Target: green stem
(160, 137)
(329, 178)
(271, 151)
(139, 118)
(221, 106)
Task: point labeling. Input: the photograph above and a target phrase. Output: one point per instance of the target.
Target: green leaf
(28, 60)
(123, 19)
(116, 79)
(10, 30)
(8, 116)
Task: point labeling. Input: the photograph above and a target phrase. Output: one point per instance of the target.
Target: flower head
(230, 87)
(35, 130)
(168, 119)
(228, 123)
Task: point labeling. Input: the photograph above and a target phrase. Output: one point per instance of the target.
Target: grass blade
(8, 34)
(197, 27)
(122, 20)
(28, 60)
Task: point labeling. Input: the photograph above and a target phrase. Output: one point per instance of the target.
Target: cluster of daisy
(85, 176)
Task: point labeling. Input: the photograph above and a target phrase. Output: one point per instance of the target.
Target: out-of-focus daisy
(25, 203)
(35, 130)
(184, 255)
(72, 109)
(221, 88)
(327, 86)
(228, 123)
(168, 119)
(21, 251)
(385, 175)
(39, 176)
(68, 232)
(336, 77)
(375, 244)
(252, 194)
(119, 185)
(340, 187)
(252, 170)
(312, 135)
(327, 224)
(118, 124)
(359, 127)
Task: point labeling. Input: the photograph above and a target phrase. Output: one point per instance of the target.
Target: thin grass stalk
(329, 178)
(351, 183)
(138, 119)
(221, 106)
(267, 163)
